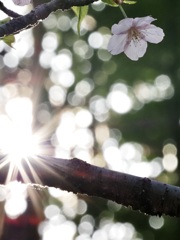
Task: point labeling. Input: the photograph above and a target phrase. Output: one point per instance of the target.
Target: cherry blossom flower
(22, 2)
(131, 36)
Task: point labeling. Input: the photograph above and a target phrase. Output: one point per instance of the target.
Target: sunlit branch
(41, 12)
(148, 196)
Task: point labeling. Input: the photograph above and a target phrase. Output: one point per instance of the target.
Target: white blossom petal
(22, 2)
(136, 49)
(117, 44)
(153, 34)
(123, 26)
(142, 22)
(131, 36)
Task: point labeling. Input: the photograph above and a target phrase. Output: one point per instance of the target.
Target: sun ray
(33, 171)
(21, 146)
(22, 142)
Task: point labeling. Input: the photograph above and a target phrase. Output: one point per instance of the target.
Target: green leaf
(8, 40)
(114, 3)
(5, 20)
(110, 2)
(129, 2)
(80, 12)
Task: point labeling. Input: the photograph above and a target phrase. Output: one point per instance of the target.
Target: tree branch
(41, 12)
(148, 196)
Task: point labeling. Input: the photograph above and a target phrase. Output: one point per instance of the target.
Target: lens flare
(18, 143)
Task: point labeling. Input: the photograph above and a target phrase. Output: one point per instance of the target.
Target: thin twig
(9, 12)
(41, 12)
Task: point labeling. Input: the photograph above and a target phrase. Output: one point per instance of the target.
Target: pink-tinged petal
(22, 2)
(122, 27)
(142, 22)
(117, 44)
(131, 36)
(136, 49)
(153, 34)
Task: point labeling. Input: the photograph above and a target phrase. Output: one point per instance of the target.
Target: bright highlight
(17, 141)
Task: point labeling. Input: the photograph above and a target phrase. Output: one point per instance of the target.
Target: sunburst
(19, 145)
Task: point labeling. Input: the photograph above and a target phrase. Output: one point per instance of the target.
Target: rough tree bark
(143, 194)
